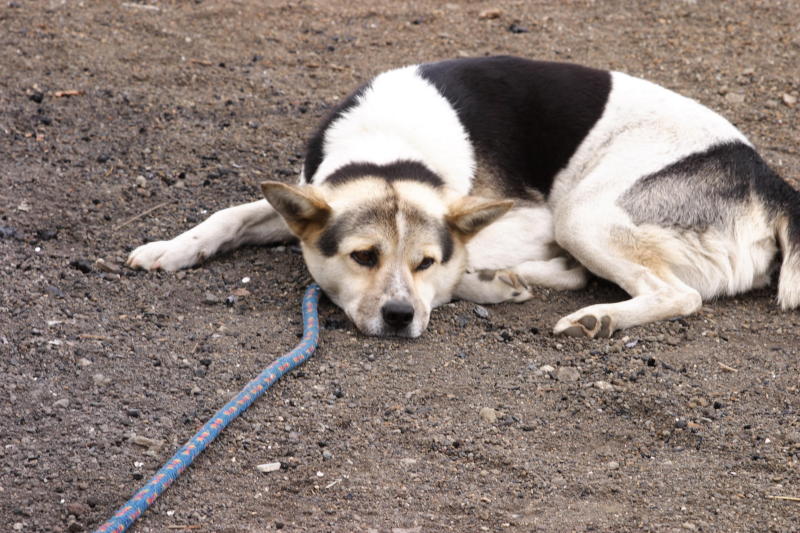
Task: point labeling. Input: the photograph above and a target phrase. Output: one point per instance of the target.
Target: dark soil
(181, 108)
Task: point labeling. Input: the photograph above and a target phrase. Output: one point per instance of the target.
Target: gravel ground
(122, 122)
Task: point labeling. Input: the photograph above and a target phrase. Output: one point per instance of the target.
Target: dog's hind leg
(617, 253)
(251, 223)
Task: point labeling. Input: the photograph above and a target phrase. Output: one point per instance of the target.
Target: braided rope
(133, 509)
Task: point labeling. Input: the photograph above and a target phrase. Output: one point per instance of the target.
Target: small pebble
(489, 14)
(100, 379)
(481, 312)
(146, 442)
(196, 390)
(516, 28)
(103, 266)
(326, 455)
(735, 98)
(406, 462)
(612, 465)
(141, 181)
(54, 291)
(210, 299)
(568, 373)
(544, 369)
(81, 264)
(83, 362)
(46, 234)
(63, 403)
(268, 467)
(78, 508)
(789, 100)
(135, 413)
(488, 415)
(603, 385)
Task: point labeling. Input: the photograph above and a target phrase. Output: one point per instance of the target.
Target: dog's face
(385, 252)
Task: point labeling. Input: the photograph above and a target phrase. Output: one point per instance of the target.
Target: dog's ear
(301, 206)
(470, 214)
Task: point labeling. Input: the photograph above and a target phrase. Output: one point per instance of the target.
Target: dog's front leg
(492, 286)
(251, 223)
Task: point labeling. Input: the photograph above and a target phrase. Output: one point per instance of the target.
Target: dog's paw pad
(587, 325)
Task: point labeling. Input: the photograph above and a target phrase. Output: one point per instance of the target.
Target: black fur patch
(704, 188)
(446, 242)
(525, 118)
(328, 242)
(314, 147)
(399, 170)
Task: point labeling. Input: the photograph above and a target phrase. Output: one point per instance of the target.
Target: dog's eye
(367, 258)
(425, 264)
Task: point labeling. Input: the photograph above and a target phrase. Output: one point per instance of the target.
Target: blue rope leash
(133, 509)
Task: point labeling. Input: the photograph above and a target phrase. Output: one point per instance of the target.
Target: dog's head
(385, 251)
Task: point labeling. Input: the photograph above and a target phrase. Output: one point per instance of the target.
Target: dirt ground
(122, 122)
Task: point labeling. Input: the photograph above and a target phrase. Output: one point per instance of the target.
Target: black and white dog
(477, 178)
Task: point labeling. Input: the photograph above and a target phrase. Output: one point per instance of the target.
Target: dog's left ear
(470, 214)
(302, 207)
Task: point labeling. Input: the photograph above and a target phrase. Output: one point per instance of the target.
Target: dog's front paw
(585, 324)
(493, 286)
(165, 255)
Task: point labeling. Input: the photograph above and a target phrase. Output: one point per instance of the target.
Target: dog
(478, 178)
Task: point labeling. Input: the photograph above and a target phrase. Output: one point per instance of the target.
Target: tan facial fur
(383, 251)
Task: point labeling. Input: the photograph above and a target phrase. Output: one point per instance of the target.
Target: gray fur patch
(695, 193)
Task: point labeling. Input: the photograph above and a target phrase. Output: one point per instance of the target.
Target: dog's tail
(787, 228)
(788, 233)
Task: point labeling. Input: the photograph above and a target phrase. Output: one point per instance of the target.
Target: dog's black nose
(397, 314)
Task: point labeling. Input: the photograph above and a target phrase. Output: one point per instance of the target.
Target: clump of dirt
(128, 121)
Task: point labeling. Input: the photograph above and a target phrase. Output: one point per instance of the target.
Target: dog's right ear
(470, 214)
(301, 206)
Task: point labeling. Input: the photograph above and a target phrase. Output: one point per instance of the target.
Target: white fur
(524, 234)
(643, 129)
(251, 223)
(401, 116)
